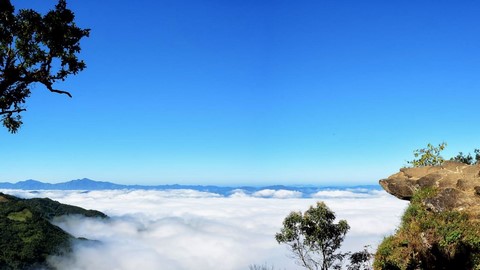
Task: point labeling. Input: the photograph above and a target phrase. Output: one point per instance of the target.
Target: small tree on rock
(314, 238)
(429, 156)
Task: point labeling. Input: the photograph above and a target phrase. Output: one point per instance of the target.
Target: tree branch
(12, 111)
(50, 88)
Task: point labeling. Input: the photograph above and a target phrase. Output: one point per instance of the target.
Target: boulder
(457, 186)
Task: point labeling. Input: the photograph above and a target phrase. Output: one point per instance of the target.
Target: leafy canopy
(429, 156)
(313, 237)
(35, 48)
(468, 158)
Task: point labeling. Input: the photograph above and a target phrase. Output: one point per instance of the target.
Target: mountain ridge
(91, 185)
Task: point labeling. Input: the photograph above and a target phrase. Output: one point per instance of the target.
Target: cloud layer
(188, 229)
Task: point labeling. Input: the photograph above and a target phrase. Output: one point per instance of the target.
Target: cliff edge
(457, 186)
(440, 229)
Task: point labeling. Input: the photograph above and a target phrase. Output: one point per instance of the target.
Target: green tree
(35, 48)
(314, 238)
(429, 156)
(360, 260)
(468, 158)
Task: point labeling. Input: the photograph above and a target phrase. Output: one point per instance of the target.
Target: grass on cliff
(429, 240)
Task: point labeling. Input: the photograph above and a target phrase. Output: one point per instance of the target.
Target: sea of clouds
(188, 229)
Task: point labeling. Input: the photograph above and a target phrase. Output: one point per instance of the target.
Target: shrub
(468, 159)
(429, 156)
(431, 240)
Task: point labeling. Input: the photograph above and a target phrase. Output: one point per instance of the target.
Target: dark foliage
(49, 209)
(35, 48)
(468, 158)
(360, 260)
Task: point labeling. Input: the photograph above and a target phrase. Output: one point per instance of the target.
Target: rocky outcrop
(440, 229)
(457, 186)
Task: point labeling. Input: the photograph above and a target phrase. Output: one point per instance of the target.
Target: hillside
(27, 237)
(441, 227)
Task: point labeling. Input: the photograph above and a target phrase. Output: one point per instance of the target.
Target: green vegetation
(314, 240)
(20, 216)
(429, 156)
(468, 158)
(35, 48)
(48, 208)
(313, 237)
(360, 260)
(27, 237)
(431, 240)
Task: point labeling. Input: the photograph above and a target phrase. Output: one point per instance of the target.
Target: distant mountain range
(88, 184)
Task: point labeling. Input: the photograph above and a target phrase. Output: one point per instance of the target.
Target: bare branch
(50, 88)
(12, 111)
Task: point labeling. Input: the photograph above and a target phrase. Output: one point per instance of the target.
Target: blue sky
(254, 92)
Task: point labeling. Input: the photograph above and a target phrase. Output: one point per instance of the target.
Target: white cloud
(278, 194)
(339, 194)
(348, 193)
(187, 229)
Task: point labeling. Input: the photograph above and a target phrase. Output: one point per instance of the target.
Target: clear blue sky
(254, 92)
